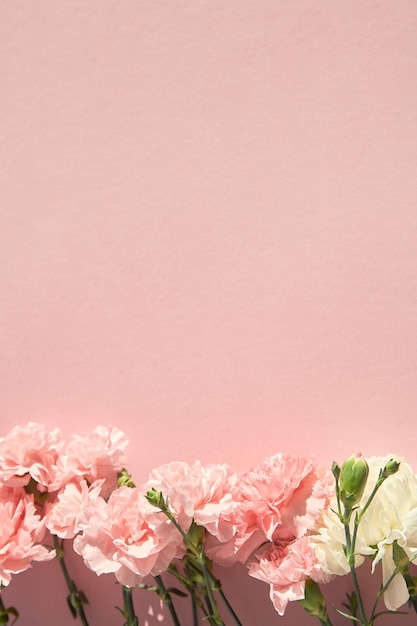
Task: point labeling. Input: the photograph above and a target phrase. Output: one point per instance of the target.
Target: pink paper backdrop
(208, 236)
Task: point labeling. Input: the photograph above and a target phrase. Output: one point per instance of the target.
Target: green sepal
(313, 601)
(71, 607)
(124, 479)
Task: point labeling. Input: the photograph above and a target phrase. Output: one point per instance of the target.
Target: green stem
(166, 597)
(128, 609)
(209, 617)
(369, 500)
(191, 587)
(325, 622)
(351, 544)
(350, 555)
(212, 600)
(229, 607)
(214, 617)
(194, 609)
(76, 598)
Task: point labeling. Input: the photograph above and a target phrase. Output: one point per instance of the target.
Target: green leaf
(177, 592)
(351, 617)
(83, 598)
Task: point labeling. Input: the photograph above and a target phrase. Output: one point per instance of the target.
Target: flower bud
(353, 477)
(156, 498)
(391, 468)
(336, 471)
(314, 602)
(124, 479)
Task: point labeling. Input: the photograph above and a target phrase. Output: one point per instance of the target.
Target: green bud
(156, 498)
(314, 602)
(390, 468)
(353, 477)
(124, 479)
(336, 470)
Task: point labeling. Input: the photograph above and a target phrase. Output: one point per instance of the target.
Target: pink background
(208, 236)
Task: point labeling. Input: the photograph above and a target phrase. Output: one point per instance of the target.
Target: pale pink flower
(277, 501)
(128, 537)
(64, 516)
(96, 455)
(30, 451)
(21, 531)
(285, 568)
(202, 493)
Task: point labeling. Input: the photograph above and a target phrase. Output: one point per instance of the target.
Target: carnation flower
(21, 531)
(96, 455)
(392, 516)
(197, 492)
(277, 501)
(30, 451)
(128, 537)
(285, 567)
(64, 516)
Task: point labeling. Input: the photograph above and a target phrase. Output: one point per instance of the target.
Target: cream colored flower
(392, 516)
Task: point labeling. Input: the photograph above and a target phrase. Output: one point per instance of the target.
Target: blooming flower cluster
(294, 524)
(45, 482)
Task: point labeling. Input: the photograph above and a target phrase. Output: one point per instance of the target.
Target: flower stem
(350, 555)
(194, 609)
(76, 599)
(210, 596)
(229, 607)
(166, 597)
(351, 542)
(128, 608)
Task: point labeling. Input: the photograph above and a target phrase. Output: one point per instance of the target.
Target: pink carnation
(21, 532)
(64, 516)
(127, 536)
(285, 495)
(276, 501)
(100, 454)
(197, 492)
(30, 451)
(285, 568)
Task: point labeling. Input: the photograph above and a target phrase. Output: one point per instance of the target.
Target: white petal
(397, 592)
